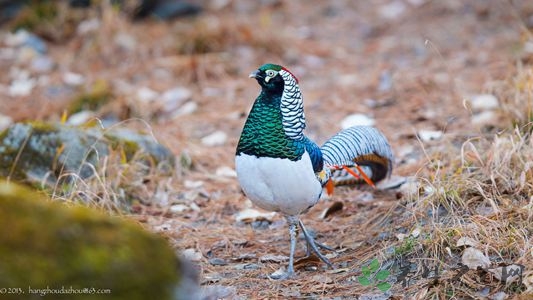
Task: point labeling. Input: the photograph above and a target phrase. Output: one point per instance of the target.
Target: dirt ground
(411, 65)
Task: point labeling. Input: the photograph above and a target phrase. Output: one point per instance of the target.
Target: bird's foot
(312, 246)
(281, 274)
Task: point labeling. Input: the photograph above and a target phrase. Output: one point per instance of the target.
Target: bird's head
(269, 76)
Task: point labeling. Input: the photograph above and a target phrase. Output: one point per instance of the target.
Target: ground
(410, 65)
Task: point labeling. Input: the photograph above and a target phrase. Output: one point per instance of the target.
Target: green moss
(98, 95)
(46, 244)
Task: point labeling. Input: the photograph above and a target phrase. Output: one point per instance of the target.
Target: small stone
(357, 119)
(192, 254)
(80, 118)
(87, 26)
(73, 79)
(392, 10)
(178, 208)
(42, 64)
(174, 98)
(474, 258)
(21, 87)
(217, 138)
(498, 296)
(416, 232)
(226, 172)
(484, 117)
(385, 81)
(430, 135)
(215, 261)
(125, 41)
(146, 94)
(193, 184)
(5, 122)
(186, 109)
(484, 102)
(246, 266)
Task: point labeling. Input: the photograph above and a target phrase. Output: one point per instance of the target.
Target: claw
(313, 245)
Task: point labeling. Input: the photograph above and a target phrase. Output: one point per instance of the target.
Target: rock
(80, 118)
(430, 135)
(174, 98)
(73, 79)
(186, 109)
(21, 87)
(5, 122)
(385, 81)
(88, 26)
(226, 171)
(192, 254)
(484, 117)
(42, 64)
(23, 38)
(217, 138)
(357, 119)
(392, 10)
(484, 102)
(145, 94)
(125, 41)
(42, 153)
(474, 258)
(45, 244)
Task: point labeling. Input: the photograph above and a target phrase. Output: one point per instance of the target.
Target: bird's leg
(312, 245)
(293, 233)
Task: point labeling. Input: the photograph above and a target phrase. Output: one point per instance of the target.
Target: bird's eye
(270, 73)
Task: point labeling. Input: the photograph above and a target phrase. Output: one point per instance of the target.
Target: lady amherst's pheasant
(282, 170)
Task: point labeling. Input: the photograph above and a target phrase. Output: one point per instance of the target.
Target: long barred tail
(361, 146)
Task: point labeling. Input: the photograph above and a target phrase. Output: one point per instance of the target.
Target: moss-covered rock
(42, 152)
(49, 246)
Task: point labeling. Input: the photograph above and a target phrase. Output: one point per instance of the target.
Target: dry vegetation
(476, 182)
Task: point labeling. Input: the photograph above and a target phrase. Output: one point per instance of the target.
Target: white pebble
(5, 122)
(21, 87)
(430, 135)
(73, 79)
(485, 117)
(80, 118)
(217, 138)
(146, 94)
(357, 119)
(186, 109)
(226, 171)
(174, 98)
(484, 102)
(87, 26)
(192, 254)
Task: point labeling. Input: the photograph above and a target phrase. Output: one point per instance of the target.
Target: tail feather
(363, 146)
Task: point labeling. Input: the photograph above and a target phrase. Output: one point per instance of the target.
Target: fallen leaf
(474, 258)
(333, 208)
(273, 258)
(250, 215)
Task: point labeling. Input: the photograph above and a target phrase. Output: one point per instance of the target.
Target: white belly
(278, 184)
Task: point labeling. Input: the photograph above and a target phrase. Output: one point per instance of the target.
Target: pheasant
(281, 170)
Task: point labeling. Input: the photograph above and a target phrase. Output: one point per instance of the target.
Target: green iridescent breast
(263, 134)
